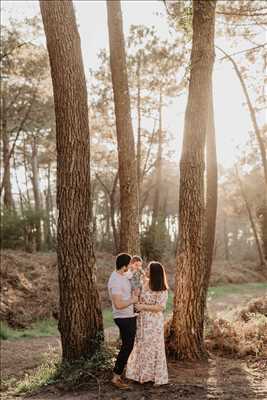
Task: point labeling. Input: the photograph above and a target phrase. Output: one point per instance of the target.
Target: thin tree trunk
(129, 207)
(111, 195)
(251, 220)
(20, 129)
(25, 165)
(112, 214)
(8, 200)
(211, 192)
(138, 156)
(186, 334)
(18, 185)
(80, 322)
(158, 187)
(252, 115)
(225, 237)
(36, 193)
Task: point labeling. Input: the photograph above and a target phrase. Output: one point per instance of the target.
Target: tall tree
(211, 191)
(8, 200)
(80, 319)
(129, 207)
(188, 315)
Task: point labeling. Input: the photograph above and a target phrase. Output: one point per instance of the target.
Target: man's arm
(119, 303)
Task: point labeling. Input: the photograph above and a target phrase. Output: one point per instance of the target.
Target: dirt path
(217, 379)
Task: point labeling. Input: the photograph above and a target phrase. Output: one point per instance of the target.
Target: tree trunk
(8, 200)
(186, 339)
(111, 196)
(251, 220)
(257, 131)
(18, 186)
(225, 237)
(252, 116)
(129, 225)
(36, 193)
(80, 321)
(138, 155)
(158, 186)
(25, 164)
(12, 149)
(211, 192)
(112, 214)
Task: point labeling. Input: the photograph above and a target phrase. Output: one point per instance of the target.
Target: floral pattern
(147, 361)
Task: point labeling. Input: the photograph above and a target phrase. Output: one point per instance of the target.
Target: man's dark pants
(127, 327)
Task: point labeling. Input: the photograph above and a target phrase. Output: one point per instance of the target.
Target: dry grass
(245, 335)
(241, 337)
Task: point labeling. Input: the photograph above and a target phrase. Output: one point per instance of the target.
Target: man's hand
(134, 299)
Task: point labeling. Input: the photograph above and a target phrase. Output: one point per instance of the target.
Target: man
(120, 293)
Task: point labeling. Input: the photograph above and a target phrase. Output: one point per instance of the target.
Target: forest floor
(220, 378)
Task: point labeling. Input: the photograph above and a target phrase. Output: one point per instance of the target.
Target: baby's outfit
(135, 280)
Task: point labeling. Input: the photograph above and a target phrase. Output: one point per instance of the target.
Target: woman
(147, 362)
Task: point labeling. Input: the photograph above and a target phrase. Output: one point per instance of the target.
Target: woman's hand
(139, 307)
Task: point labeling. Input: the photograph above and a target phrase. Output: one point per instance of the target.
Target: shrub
(19, 230)
(156, 241)
(12, 234)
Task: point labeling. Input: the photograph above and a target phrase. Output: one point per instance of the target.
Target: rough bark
(129, 207)
(186, 340)
(48, 209)
(36, 193)
(80, 321)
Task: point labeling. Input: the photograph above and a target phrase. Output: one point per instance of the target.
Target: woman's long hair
(157, 277)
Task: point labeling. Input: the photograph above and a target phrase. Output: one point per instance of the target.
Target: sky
(232, 120)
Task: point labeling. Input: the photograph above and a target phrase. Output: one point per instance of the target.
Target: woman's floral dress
(147, 361)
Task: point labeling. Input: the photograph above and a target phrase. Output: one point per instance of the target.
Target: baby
(136, 274)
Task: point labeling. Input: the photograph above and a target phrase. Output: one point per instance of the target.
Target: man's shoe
(120, 384)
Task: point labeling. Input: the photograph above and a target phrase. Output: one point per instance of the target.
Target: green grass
(68, 376)
(108, 318)
(244, 288)
(49, 327)
(38, 329)
(46, 374)
(218, 292)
